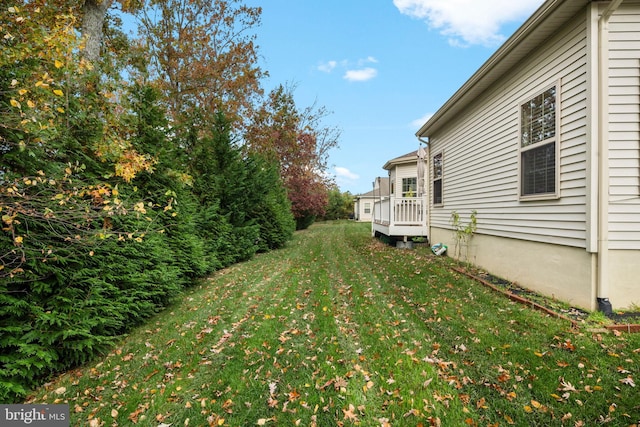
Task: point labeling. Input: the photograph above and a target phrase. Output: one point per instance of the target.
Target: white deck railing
(400, 211)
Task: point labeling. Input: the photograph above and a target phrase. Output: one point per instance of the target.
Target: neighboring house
(363, 203)
(543, 141)
(403, 213)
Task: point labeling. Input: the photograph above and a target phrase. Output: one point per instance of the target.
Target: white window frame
(554, 139)
(414, 191)
(367, 207)
(440, 178)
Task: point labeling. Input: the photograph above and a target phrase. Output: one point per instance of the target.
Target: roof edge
(507, 47)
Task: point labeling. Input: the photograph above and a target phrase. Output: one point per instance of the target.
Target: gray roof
(382, 191)
(405, 158)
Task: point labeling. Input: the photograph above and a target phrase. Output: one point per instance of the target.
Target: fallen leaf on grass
(566, 386)
(293, 395)
(628, 381)
(204, 332)
(413, 412)
(482, 403)
(349, 414)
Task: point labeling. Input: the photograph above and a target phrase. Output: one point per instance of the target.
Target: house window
(367, 208)
(409, 187)
(538, 145)
(437, 179)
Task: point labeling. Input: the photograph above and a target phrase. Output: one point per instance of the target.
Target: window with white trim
(538, 145)
(367, 208)
(437, 179)
(409, 187)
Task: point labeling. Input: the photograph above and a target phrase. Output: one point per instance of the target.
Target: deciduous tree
(300, 144)
(203, 56)
(340, 204)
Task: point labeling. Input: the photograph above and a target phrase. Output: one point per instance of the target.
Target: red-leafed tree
(299, 142)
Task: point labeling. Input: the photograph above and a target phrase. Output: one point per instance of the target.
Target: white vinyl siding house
(539, 213)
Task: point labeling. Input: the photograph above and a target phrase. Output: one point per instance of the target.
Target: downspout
(427, 174)
(604, 304)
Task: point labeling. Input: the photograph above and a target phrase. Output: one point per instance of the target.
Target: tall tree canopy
(202, 54)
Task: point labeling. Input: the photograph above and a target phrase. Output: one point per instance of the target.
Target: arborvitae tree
(77, 271)
(271, 208)
(221, 181)
(169, 186)
(81, 258)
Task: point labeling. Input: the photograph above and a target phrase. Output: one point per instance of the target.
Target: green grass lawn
(340, 329)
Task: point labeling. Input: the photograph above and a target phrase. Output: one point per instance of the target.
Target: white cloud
(355, 71)
(360, 75)
(417, 123)
(345, 173)
(328, 66)
(468, 22)
(368, 60)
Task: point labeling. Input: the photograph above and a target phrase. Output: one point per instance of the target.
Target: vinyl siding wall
(360, 208)
(481, 150)
(404, 171)
(624, 127)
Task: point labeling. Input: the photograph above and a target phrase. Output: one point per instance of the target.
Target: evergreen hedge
(83, 275)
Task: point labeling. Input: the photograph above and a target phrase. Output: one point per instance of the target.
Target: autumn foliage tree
(300, 144)
(203, 56)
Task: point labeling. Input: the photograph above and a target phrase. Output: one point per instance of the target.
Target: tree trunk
(92, 21)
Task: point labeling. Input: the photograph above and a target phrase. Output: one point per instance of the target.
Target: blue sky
(382, 67)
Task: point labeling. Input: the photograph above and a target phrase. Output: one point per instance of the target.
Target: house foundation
(556, 271)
